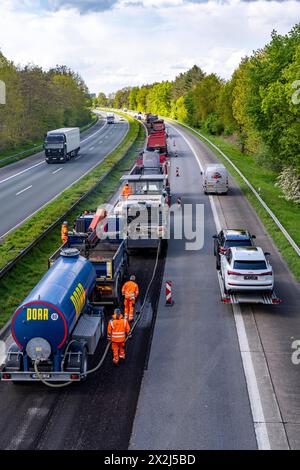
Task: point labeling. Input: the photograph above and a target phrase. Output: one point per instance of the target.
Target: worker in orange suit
(126, 191)
(117, 331)
(130, 291)
(64, 232)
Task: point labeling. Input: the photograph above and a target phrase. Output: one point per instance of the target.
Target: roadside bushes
(289, 183)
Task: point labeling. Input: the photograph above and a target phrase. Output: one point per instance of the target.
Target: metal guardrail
(29, 151)
(257, 195)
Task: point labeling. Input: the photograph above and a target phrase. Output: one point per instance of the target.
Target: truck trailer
(146, 211)
(62, 144)
(107, 254)
(158, 142)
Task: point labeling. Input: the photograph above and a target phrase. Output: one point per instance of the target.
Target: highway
(28, 185)
(212, 376)
(227, 368)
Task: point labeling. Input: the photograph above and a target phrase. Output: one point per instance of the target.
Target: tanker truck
(57, 327)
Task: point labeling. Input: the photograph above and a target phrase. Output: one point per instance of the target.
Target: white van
(215, 179)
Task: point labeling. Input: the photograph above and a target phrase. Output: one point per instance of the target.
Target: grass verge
(32, 147)
(38, 223)
(16, 285)
(263, 181)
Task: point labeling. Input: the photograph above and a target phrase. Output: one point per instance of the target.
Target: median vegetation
(38, 223)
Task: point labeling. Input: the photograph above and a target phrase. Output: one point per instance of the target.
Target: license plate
(250, 278)
(44, 376)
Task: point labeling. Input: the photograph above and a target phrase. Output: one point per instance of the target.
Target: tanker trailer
(56, 327)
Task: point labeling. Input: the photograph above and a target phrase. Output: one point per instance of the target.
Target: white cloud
(129, 44)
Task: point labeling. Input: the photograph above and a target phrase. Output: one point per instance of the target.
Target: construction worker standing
(64, 232)
(126, 191)
(130, 291)
(118, 329)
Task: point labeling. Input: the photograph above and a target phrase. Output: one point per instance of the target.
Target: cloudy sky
(115, 43)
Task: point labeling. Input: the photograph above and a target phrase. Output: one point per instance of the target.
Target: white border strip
(260, 425)
(265, 206)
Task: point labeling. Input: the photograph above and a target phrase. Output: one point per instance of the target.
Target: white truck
(62, 144)
(110, 118)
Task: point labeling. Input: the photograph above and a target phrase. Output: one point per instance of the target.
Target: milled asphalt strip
(76, 181)
(260, 425)
(265, 206)
(43, 161)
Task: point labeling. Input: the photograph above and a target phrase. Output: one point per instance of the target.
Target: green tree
(102, 100)
(186, 81)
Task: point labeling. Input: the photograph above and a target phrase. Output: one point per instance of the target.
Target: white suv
(246, 269)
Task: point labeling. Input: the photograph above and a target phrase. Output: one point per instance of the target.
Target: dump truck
(158, 141)
(159, 125)
(108, 255)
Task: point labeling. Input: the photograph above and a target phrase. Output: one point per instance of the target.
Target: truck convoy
(62, 144)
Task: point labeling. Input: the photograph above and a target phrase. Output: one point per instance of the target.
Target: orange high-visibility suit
(126, 191)
(130, 291)
(64, 233)
(118, 329)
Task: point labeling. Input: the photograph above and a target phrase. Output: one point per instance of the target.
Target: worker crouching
(117, 331)
(130, 291)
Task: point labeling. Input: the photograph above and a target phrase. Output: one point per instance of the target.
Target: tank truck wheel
(84, 363)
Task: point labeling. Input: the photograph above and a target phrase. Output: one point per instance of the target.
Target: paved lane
(265, 336)
(194, 393)
(27, 186)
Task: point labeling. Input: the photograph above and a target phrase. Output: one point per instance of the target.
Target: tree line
(259, 107)
(38, 101)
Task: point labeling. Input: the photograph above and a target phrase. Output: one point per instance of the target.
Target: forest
(38, 101)
(258, 108)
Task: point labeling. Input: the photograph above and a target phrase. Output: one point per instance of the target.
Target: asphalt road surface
(96, 414)
(29, 184)
(219, 376)
(231, 365)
